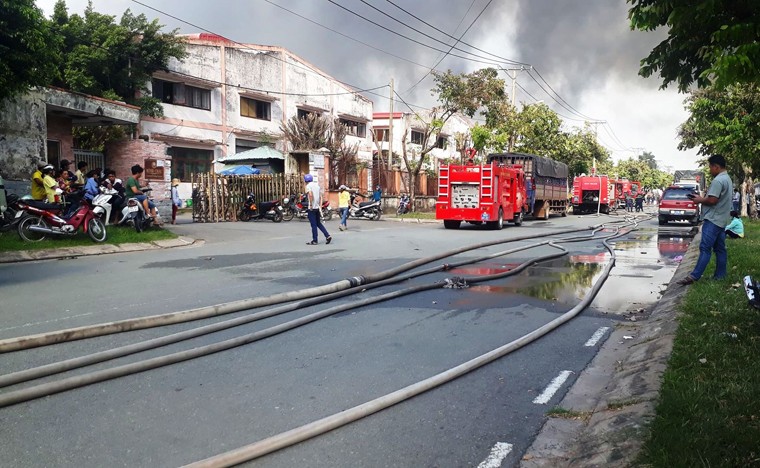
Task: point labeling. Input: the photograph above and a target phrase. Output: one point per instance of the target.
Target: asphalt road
(192, 410)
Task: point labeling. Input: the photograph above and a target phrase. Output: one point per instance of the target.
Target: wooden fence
(219, 198)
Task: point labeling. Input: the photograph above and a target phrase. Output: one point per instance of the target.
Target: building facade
(224, 98)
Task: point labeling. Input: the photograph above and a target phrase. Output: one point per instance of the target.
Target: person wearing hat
(49, 183)
(344, 199)
(38, 186)
(176, 201)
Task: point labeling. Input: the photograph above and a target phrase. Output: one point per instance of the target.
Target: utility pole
(512, 73)
(596, 125)
(390, 131)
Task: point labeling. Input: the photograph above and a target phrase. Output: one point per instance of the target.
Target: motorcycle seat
(366, 203)
(43, 205)
(266, 206)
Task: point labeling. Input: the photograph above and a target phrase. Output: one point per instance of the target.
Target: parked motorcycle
(264, 210)
(103, 203)
(301, 208)
(366, 210)
(44, 220)
(288, 208)
(133, 214)
(10, 213)
(403, 205)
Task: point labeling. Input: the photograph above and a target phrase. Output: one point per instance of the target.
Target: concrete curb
(414, 220)
(101, 249)
(616, 395)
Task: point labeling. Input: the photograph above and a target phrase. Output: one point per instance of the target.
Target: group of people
(60, 185)
(634, 201)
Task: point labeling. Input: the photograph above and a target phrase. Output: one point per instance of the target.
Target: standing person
(80, 178)
(314, 210)
(344, 199)
(38, 185)
(176, 201)
(736, 199)
(531, 191)
(628, 201)
(716, 209)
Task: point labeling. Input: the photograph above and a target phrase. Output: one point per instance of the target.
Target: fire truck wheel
(499, 223)
(518, 219)
(451, 224)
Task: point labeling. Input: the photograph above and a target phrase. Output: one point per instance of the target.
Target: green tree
(727, 122)
(110, 59)
(709, 41)
(581, 149)
(649, 159)
(28, 49)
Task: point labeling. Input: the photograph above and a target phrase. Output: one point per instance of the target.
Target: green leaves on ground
(709, 411)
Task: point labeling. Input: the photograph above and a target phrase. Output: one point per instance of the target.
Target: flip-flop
(312, 243)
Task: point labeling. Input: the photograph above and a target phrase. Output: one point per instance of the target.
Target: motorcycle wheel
(31, 236)
(277, 216)
(96, 229)
(244, 215)
(376, 214)
(288, 215)
(327, 215)
(139, 220)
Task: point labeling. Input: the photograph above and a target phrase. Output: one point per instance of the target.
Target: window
(417, 137)
(302, 113)
(358, 129)
(442, 142)
(381, 134)
(255, 109)
(181, 94)
(245, 145)
(186, 161)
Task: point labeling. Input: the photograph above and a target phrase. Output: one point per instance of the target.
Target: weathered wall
(23, 130)
(122, 155)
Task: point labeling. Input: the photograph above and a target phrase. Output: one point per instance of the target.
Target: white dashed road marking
(498, 453)
(596, 337)
(552, 388)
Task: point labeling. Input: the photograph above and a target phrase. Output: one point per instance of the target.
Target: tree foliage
(27, 48)
(709, 41)
(102, 57)
(639, 170)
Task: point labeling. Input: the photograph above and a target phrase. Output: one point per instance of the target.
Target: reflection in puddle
(643, 265)
(484, 269)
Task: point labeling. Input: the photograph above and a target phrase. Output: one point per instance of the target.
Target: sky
(584, 49)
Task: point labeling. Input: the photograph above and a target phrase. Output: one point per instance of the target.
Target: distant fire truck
(487, 193)
(623, 186)
(591, 194)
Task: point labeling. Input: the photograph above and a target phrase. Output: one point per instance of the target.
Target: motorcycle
(44, 220)
(103, 203)
(301, 209)
(265, 210)
(10, 213)
(288, 208)
(133, 214)
(403, 205)
(366, 210)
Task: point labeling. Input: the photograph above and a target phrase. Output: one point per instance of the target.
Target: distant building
(224, 98)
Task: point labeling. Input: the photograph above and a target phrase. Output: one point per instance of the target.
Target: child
(735, 228)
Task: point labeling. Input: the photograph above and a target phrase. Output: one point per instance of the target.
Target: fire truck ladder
(486, 182)
(443, 182)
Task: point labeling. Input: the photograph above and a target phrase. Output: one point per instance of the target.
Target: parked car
(675, 205)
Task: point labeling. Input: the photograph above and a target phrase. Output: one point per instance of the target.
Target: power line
(572, 109)
(490, 62)
(511, 61)
(346, 35)
(452, 47)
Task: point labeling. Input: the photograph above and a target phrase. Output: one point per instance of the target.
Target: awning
(262, 152)
(239, 170)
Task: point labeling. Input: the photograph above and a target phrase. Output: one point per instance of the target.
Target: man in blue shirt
(716, 209)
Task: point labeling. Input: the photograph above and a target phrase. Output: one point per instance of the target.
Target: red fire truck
(591, 194)
(623, 186)
(488, 193)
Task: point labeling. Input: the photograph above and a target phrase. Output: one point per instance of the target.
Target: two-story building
(224, 98)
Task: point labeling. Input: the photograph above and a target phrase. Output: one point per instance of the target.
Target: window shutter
(179, 94)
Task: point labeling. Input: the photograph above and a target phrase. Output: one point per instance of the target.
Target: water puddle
(645, 262)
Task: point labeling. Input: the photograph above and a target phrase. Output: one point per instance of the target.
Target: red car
(675, 205)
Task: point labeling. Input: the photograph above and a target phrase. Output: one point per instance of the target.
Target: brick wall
(59, 129)
(122, 155)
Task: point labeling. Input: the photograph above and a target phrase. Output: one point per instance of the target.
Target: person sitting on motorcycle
(50, 184)
(91, 189)
(111, 183)
(133, 190)
(38, 186)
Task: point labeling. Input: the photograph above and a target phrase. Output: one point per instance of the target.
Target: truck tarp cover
(544, 167)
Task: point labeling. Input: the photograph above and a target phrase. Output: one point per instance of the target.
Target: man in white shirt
(314, 194)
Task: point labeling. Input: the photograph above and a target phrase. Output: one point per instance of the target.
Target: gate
(219, 198)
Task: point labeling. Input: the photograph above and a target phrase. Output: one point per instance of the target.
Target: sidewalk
(98, 249)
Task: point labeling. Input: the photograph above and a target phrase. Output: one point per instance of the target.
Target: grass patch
(564, 413)
(10, 241)
(620, 404)
(708, 412)
(418, 215)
